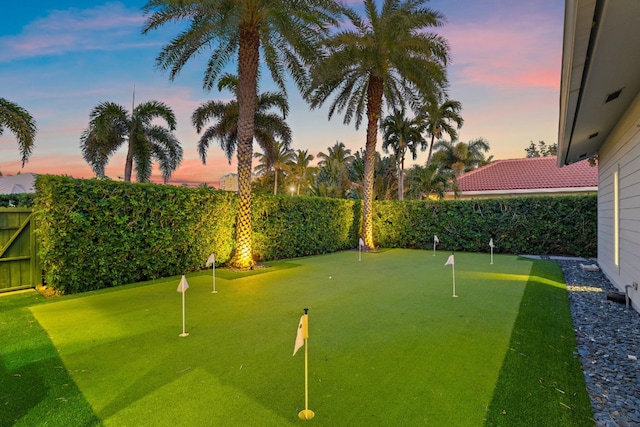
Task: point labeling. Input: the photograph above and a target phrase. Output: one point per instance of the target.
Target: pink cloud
(107, 27)
(510, 54)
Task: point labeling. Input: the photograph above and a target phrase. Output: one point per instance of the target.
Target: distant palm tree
(21, 124)
(439, 118)
(111, 125)
(461, 157)
(402, 134)
(333, 170)
(287, 32)
(300, 170)
(386, 57)
(267, 125)
(275, 159)
(429, 180)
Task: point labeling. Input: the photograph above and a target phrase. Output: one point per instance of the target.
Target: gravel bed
(608, 343)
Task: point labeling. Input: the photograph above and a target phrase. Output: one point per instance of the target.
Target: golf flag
(183, 286)
(303, 333)
(211, 260)
(361, 242)
(435, 239)
(491, 243)
(450, 260)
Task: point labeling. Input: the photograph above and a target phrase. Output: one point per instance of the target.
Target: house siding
(621, 153)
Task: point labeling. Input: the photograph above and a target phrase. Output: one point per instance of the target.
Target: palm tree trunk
(374, 108)
(401, 178)
(248, 58)
(275, 181)
(128, 164)
(430, 149)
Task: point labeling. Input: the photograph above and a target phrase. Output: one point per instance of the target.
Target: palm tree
(333, 169)
(388, 56)
(267, 125)
(21, 124)
(300, 170)
(402, 134)
(429, 180)
(111, 125)
(287, 32)
(461, 157)
(275, 159)
(438, 119)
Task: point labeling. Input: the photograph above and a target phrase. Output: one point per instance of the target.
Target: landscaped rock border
(608, 344)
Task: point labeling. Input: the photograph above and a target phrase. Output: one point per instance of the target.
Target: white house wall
(621, 153)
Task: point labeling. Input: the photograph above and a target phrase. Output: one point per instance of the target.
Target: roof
(535, 173)
(600, 68)
(16, 184)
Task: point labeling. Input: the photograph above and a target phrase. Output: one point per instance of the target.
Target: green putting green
(388, 343)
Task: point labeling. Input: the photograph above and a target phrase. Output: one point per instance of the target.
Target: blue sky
(59, 59)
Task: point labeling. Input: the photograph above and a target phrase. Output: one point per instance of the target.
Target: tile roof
(528, 174)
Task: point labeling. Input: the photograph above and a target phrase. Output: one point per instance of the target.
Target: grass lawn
(388, 346)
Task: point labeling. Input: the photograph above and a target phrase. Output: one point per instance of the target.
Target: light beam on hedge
(212, 262)
(182, 288)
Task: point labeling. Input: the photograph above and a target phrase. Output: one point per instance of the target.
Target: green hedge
(288, 227)
(521, 225)
(99, 233)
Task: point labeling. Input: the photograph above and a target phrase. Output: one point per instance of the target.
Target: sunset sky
(59, 59)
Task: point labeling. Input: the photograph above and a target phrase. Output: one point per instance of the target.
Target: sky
(59, 59)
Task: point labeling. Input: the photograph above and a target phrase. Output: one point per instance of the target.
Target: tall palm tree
(267, 125)
(300, 170)
(402, 134)
(429, 180)
(21, 124)
(111, 125)
(439, 119)
(461, 157)
(275, 159)
(287, 32)
(385, 57)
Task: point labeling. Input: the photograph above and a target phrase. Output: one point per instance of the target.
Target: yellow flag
(303, 333)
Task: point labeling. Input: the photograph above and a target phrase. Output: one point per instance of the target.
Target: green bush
(98, 233)
(535, 225)
(288, 227)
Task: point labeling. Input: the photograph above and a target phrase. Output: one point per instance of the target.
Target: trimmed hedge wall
(98, 233)
(554, 225)
(289, 227)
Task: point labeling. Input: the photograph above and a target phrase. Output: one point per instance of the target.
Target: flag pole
(453, 272)
(183, 334)
(306, 413)
(491, 254)
(182, 287)
(213, 272)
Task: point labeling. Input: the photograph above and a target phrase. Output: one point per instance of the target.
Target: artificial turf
(388, 345)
